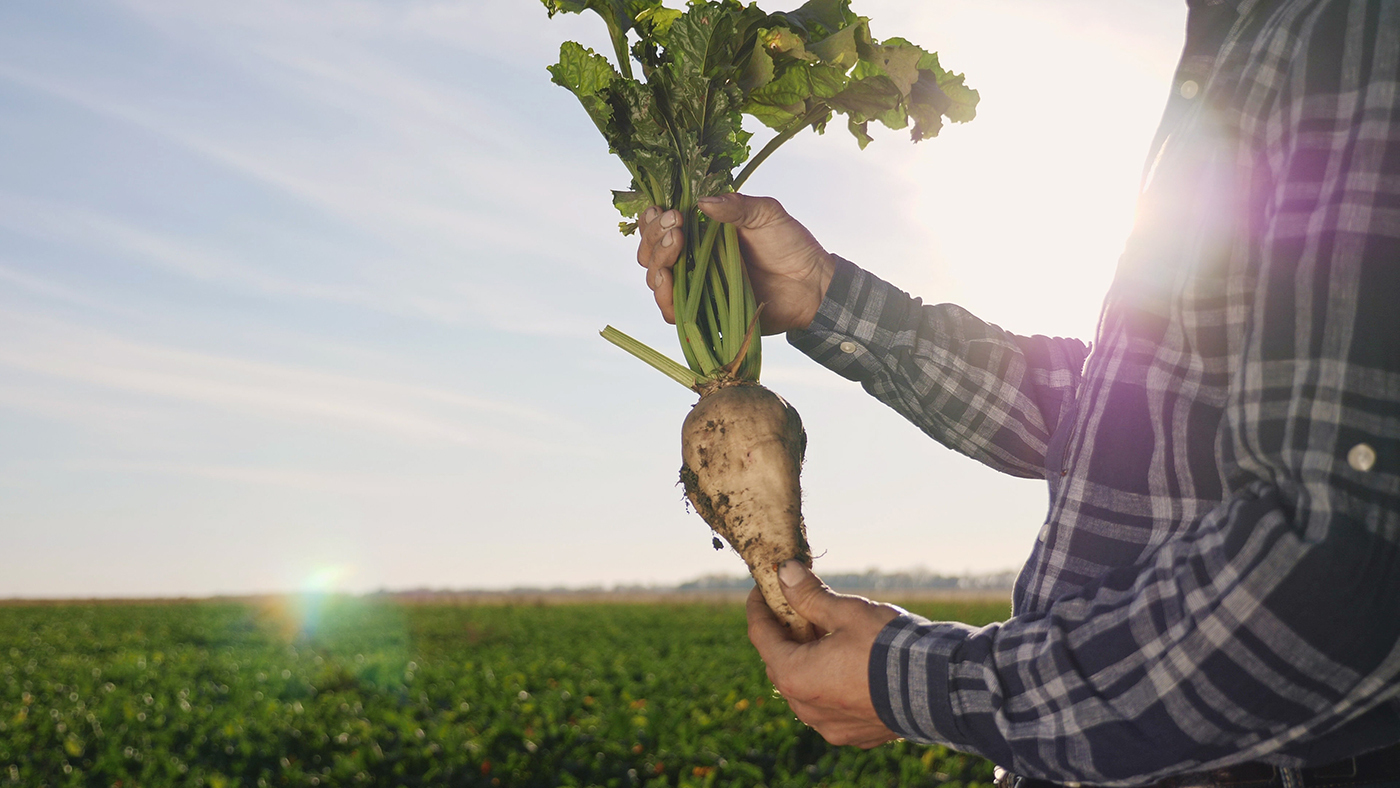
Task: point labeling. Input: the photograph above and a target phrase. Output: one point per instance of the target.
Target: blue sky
(307, 293)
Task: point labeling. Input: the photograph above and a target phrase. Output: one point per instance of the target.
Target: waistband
(1373, 767)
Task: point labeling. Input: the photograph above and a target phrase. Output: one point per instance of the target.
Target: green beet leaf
(679, 130)
(818, 19)
(621, 17)
(587, 75)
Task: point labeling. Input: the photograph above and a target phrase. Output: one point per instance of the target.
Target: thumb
(748, 213)
(809, 596)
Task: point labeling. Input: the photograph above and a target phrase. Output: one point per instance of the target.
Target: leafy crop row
(360, 692)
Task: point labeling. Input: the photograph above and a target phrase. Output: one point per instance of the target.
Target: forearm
(987, 393)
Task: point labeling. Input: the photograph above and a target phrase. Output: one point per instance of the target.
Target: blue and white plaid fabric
(1218, 578)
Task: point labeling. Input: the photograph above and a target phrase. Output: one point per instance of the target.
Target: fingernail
(792, 572)
(650, 215)
(668, 220)
(668, 239)
(655, 279)
(710, 199)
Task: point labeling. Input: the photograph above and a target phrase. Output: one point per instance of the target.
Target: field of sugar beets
(350, 692)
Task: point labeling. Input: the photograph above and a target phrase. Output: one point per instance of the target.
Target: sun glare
(325, 579)
(1030, 205)
(299, 614)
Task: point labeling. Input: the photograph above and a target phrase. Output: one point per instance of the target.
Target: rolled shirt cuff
(857, 323)
(909, 679)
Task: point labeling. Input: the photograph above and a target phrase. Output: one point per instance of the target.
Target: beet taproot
(742, 448)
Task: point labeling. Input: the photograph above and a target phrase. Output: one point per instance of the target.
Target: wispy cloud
(58, 403)
(380, 286)
(50, 289)
(444, 160)
(511, 34)
(340, 483)
(445, 206)
(66, 223)
(45, 347)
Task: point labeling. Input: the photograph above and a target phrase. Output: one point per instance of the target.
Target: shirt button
(1189, 89)
(1361, 457)
(848, 347)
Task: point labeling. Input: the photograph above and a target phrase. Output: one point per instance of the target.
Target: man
(1216, 589)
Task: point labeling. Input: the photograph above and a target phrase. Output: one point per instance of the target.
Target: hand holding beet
(788, 268)
(826, 682)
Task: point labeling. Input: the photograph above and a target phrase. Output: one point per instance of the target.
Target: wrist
(824, 269)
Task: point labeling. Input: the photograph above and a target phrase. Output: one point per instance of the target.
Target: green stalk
(710, 314)
(718, 312)
(683, 279)
(735, 319)
(658, 361)
(753, 361)
(691, 334)
(707, 245)
(619, 42)
(811, 116)
(679, 289)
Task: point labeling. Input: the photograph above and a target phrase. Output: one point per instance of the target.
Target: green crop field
(371, 692)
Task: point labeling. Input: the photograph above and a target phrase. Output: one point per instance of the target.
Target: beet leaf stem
(663, 364)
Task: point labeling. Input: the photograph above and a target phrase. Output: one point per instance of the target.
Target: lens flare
(326, 580)
(298, 614)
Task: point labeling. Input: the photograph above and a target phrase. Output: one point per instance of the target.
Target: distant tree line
(870, 579)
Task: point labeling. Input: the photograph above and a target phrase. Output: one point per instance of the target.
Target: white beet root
(742, 447)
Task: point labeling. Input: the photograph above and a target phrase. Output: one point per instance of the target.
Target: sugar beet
(742, 447)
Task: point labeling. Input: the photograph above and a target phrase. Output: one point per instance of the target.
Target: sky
(304, 294)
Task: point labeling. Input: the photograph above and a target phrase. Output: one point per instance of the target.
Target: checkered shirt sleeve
(1257, 615)
(975, 388)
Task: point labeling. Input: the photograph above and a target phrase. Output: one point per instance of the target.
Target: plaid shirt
(1218, 577)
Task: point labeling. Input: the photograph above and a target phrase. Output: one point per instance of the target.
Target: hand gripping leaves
(679, 131)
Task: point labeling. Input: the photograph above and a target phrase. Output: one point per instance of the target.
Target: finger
(840, 728)
(810, 597)
(862, 735)
(819, 715)
(644, 224)
(805, 714)
(749, 213)
(659, 279)
(877, 739)
(767, 633)
(837, 727)
(661, 238)
(868, 734)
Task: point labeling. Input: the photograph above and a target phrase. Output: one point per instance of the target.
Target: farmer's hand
(826, 682)
(788, 268)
